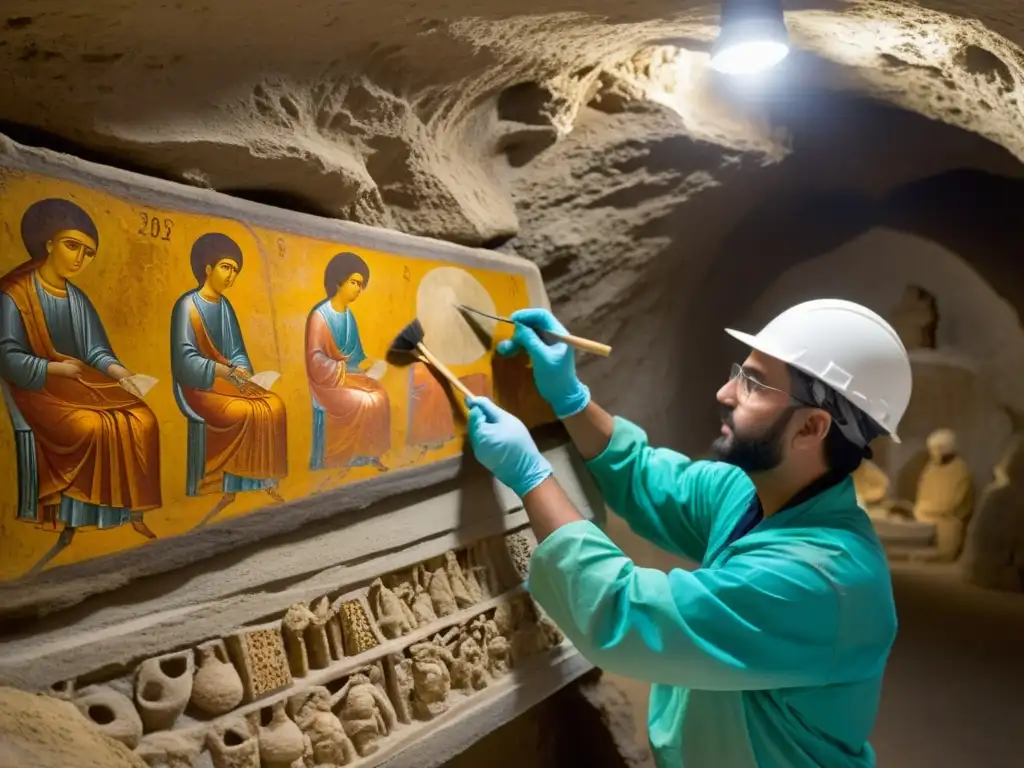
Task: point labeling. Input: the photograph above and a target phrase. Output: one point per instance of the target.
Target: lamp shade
(752, 37)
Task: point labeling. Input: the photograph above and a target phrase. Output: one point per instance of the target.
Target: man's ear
(814, 428)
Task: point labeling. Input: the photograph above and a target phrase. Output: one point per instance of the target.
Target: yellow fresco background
(134, 282)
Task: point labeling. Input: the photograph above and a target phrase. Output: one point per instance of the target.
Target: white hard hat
(849, 348)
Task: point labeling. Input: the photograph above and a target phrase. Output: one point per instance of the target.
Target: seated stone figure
(944, 496)
(871, 485)
(994, 550)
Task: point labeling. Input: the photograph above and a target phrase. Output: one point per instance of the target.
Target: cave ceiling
(588, 136)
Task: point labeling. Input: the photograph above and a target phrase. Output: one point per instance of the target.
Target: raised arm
(765, 620)
(664, 496)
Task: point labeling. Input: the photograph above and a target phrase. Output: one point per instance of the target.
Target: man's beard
(752, 454)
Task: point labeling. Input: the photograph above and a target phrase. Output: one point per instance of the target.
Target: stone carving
(944, 496)
(394, 617)
(871, 485)
(366, 712)
(163, 686)
(112, 713)
(169, 750)
(293, 629)
(281, 741)
(461, 590)
(993, 555)
(260, 656)
(431, 679)
(318, 634)
(217, 687)
(310, 725)
(916, 318)
(519, 551)
(232, 743)
(356, 629)
(400, 685)
(311, 711)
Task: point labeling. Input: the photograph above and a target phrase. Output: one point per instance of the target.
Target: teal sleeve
(765, 620)
(664, 496)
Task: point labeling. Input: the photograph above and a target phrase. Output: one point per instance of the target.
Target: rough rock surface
(586, 136)
(44, 732)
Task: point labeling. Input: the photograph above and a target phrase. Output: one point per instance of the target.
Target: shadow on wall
(971, 213)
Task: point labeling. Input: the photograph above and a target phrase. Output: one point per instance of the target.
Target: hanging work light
(752, 37)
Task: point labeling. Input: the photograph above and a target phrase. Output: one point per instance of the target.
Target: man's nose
(726, 395)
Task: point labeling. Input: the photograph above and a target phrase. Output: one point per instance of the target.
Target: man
(771, 654)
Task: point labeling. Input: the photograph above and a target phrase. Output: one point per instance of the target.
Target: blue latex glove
(503, 444)
(554, 365)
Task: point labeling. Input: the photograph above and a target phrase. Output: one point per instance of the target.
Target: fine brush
(410, 340)
(587, 345)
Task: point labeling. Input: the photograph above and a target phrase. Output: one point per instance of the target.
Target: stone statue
(994, 550)
(394, 617)
(366, 712)
(944, 496)
(916, 318)
(461, 590)
(311, 711)
(871, 485)
(431, 678)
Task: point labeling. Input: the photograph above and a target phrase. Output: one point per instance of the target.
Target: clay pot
(216, 687)
(163, 686)
(281, 741)
(233, 744)
(112, 713)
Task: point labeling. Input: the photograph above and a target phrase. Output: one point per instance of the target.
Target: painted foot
(225, 500)
(272, 493)
(141, 527)
(62, 542)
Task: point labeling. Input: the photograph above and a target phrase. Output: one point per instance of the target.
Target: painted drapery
(244, 445)
(351, 411)
(96, 446)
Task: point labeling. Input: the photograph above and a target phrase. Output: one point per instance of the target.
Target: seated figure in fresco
(237, 430)
(431, 414)
(88, 449)
(944, 496)
(351, 408)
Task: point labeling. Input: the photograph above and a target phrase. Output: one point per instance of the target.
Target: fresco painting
(165, 370)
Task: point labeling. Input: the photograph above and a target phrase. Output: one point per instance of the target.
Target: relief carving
(217, 687)
(341, 714)
(232, 743)
(163, 686)
(261, 660)
(111, 712)
(311, 711)
(366, 712)
(281, 741)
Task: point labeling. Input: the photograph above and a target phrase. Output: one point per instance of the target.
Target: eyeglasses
(747, 384)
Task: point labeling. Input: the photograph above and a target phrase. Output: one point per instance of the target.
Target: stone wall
(398, 631)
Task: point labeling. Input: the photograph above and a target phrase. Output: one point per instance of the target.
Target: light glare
(747, 58)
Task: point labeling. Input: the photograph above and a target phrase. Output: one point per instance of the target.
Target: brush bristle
(410, 336)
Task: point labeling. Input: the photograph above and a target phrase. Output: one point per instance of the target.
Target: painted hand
(554, 365)
(503, 444)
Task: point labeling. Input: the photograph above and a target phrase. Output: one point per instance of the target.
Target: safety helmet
(847, 347)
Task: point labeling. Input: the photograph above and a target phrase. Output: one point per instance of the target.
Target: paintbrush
(410, 340)
(550, 337)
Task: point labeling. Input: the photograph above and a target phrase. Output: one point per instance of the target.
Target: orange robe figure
(351, 411)
(238, 437)
(97, 447)
(431, 422)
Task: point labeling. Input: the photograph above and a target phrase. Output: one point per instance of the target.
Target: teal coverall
(771, 654)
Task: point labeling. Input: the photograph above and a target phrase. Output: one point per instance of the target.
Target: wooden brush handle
(443, 370)
(594, 347)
